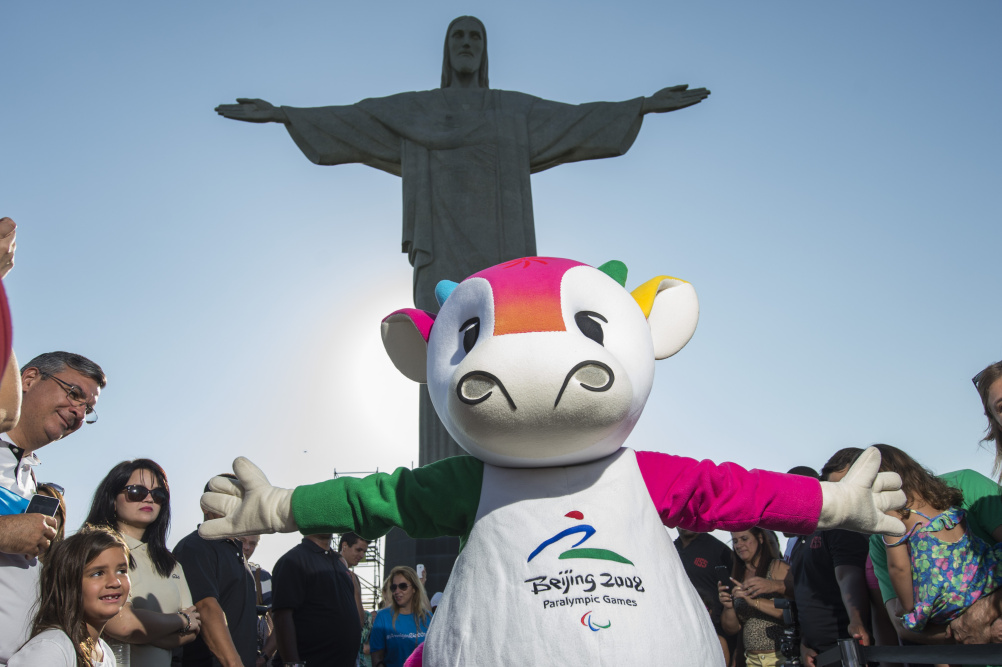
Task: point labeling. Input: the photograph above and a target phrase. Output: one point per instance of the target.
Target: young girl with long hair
(84, 584)
(400, 628)
(939, 568)
(134, 500)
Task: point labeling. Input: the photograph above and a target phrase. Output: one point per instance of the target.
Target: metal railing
(849, 653)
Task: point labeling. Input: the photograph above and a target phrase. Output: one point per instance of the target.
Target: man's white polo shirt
(18, 576)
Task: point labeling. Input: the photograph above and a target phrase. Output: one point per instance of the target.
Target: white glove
(250, 505)
(859, 500)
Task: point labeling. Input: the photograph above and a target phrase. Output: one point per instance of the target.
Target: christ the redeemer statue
(465, 153)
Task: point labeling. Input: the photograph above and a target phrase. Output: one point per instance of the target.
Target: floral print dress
(948, 577)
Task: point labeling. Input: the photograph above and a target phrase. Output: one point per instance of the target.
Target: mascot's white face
(540, 361)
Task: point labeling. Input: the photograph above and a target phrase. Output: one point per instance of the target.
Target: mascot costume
(540, 368)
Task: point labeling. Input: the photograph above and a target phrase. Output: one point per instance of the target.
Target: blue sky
(835, 203)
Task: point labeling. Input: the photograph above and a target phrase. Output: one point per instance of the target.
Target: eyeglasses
(135, 493)
(77, 397)
(404, 586)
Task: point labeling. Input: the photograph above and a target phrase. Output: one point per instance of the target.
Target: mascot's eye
(587, 321)
(471, 332)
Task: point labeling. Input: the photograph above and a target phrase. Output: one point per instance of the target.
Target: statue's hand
(249, 505)
(859, 501)
(673, 98)
(252, 111)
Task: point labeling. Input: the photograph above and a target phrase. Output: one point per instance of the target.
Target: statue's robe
(465, 156)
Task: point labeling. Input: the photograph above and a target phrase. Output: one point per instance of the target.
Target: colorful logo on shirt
(592, 626)
(701, 562)
(587, 531)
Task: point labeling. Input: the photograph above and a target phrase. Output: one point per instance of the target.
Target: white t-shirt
(53, 648)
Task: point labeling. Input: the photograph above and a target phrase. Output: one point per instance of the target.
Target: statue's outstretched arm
(672, 99)
(253, 111)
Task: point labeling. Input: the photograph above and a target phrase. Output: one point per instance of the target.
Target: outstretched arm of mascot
(432, 501)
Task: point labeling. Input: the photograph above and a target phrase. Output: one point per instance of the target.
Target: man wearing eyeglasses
(58, 391)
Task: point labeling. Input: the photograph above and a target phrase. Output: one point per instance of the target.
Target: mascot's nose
(477, 386)
(591, 375)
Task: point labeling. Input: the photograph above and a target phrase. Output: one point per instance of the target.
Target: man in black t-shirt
(827, 569)
(700, 554)
(316, 619)
(223, 591)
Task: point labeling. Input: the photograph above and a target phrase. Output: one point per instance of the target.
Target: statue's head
(465, 50)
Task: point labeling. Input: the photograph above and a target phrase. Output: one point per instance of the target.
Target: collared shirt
(18, 575)
(15, 469)
(317, 587)
(216, 568)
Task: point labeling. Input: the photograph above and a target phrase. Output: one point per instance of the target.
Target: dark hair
(102, 510)
(768, 552)
(51, 363)
(447, 58)
(350, 539)
(803, 471)
(52, 491)
(227, 475)
(918, 481)
(60, 604)
(994, 431)
(840, 460)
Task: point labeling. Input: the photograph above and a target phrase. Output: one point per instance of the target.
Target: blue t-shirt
(398, 642)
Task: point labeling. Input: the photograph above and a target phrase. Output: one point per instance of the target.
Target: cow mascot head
(542, 361)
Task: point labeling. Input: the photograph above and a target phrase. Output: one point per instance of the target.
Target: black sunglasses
(137, 493)
(977, 379)
(404, 586)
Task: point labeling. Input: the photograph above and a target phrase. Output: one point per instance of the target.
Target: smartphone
(724, 576)
(42, 504)
(420, 571)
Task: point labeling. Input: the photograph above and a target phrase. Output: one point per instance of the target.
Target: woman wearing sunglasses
(134, 499)
(400, 628)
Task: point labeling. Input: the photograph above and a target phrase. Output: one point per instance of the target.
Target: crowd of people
(113, 591)
(938, 583)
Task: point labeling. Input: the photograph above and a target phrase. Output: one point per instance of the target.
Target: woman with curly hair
(400, 628)
(939, 568)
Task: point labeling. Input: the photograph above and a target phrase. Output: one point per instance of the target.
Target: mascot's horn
(615, 270)
(443, 289)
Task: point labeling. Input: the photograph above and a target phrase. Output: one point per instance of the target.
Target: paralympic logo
(588, 530)
(591, 626)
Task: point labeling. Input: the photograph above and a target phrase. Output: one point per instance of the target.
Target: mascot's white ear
(672, 311)
(405, 336)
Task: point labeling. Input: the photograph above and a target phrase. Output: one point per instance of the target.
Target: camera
(790, 643)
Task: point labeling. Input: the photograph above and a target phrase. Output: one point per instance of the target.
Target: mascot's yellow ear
(644, 295)
(672, 311)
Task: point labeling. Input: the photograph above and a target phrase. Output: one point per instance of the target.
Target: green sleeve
(432, 501)
(878, 556)
(982, 501)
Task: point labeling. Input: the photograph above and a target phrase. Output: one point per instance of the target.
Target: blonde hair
(420, 606)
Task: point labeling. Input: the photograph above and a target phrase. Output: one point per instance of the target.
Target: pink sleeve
(703, 496)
